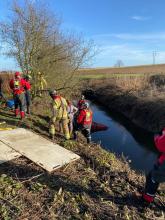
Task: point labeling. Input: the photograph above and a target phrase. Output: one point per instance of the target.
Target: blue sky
(129, 30)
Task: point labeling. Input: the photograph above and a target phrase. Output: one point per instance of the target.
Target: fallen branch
(32, 178)
(48, 89)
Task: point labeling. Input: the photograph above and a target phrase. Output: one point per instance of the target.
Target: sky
(129, 30)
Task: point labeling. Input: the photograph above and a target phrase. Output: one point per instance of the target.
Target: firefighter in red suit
(18, 86)
(81, 101)
(27, 93)
(157, 174)
(84, 121)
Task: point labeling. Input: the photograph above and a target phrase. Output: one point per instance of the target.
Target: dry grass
(6, 77)
(145, 81)
(131, 83)
(144, 86)
(141, 99)
(98, 186)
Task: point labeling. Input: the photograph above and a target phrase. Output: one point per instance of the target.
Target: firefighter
(81, 101)
(72, 110)
(60, 114)
(18, 86)
(157, 174)
(27, 93)
(41, 83)
(83, 121)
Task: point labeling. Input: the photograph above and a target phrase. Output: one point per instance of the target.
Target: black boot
(52, 137)
(28, 110)
(75, 135)
(88, 140)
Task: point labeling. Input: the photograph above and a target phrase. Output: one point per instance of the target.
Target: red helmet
(17, 74)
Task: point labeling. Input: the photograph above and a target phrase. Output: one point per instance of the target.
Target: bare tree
(119, 63)
(36, 42)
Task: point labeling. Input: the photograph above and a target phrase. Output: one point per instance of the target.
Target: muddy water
(123, 138)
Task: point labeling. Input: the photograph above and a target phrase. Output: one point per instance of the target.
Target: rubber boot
(88, 140)
(28, 110)
(53, 137)
(67, 136)
(66, 129)
(75, 135)
(16, 112)
(22, 113)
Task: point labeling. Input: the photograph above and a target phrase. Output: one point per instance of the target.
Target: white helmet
(85, 105)
(52, 92)
(82, 96)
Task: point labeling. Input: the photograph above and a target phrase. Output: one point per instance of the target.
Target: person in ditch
(59, 114)
(157, 174)
(81, 101)
(83, 121)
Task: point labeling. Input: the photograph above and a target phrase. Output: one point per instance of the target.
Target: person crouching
(83, 122)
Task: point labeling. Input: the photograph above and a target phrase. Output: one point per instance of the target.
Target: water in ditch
(123, 138)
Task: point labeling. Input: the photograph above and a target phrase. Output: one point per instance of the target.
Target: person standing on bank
(27, 93)
(81, 101)
(72, 110)
(157, 174)
(59, 114)
(83, 121)
(18, 85)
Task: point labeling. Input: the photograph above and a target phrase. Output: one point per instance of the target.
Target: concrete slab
(43, 152)
(7, 153)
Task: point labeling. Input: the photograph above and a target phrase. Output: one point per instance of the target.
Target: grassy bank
(98, 186)
(141, 99)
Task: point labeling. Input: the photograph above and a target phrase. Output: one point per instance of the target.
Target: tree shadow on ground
(39, 125)
(44, 117)
(10, 119)
(7, 114)
(23, 170)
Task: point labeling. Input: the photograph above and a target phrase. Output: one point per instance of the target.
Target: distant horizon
(101, 67)
(130, 31)
(104, 67)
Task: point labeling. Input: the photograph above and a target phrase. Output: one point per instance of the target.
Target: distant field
(112, 75)
(111, 71)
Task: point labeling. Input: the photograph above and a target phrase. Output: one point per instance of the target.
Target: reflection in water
(123, 137)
